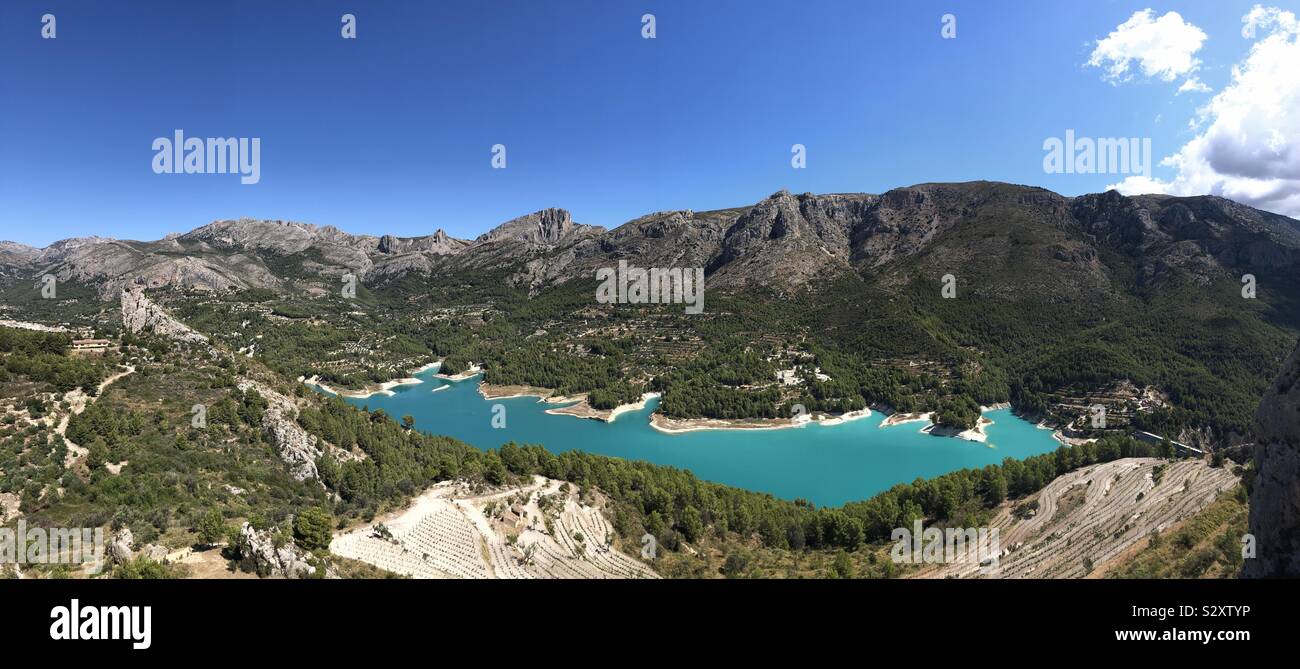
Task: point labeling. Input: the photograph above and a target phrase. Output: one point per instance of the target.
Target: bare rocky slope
(140, 314)
(784, 243)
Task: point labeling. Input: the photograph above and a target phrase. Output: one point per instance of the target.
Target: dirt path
(78, 401)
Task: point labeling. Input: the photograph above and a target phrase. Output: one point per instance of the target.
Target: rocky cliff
(438, 244)
(297, 448)
(1049, 245)
(140, 314)
(783, 242)
(1275, 497)
(15, 257)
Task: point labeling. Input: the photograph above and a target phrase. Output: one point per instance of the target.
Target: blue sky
(392, 132)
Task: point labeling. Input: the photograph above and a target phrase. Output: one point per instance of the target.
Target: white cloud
(1266, 17)
(1247, 146)
(1163, 48)
(1193, 85)
(1140, 185)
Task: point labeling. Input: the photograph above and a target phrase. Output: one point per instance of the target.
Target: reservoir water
(826, 464)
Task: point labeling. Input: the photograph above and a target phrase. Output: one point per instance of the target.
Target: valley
(827, 462)
(822, 307)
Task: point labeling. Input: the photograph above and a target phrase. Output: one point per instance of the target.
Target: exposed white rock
(119, 548)
(154, 552)
(287, 560)
(140, 314)
(297, 448)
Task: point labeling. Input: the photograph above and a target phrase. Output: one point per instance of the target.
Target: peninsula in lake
(285, 371)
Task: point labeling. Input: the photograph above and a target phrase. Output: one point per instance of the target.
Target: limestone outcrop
(285, 560)
(140, 314)
(297, 448)
(786, 241)
(119, 548)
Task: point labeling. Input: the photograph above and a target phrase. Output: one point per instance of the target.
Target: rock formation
(438, 244)
(120, 547)
(260, 547)
(297, 448)
(140, 314)
(783, 242)
(1275, 497)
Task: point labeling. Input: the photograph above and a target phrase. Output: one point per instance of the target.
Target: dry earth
(539, 530)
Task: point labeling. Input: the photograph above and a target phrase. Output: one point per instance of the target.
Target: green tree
(736, 564)
(212, 527)
(842, 567)
(311, 529)
(692, 523)
(141, 568)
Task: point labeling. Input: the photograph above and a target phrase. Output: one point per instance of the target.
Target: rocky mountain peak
(13, 254)
(552, 224)
(438, 243)
(784, 241)
(540, 228)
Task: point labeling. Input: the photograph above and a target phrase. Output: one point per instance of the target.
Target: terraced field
(540, 530)
(1092, 515)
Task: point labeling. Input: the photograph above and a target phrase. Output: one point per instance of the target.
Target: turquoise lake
(826, 464)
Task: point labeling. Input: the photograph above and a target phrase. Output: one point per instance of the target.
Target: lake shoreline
(668, 425)
(583, 409)
(580, 408)
(850, 459)
(976, 433)
(491, 391)
(473, 371)
(385, 388)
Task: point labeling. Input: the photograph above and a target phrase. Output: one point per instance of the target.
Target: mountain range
(1133, 303)
(976, 231)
